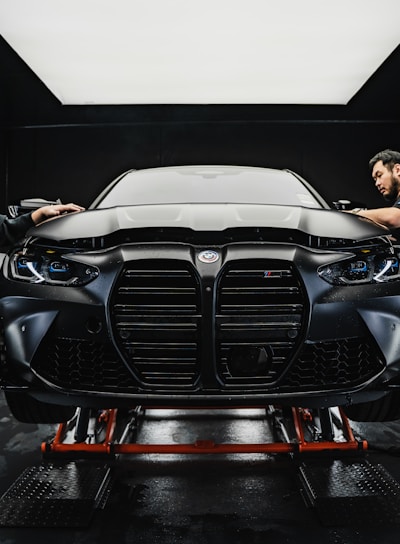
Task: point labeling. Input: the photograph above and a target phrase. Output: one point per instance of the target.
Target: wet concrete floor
(203, 499)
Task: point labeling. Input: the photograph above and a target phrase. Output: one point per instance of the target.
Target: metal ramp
(51, 495)
(350, 492)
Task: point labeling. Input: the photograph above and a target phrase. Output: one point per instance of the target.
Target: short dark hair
(388, 157)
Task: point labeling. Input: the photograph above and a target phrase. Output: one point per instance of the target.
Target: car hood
(207, 217)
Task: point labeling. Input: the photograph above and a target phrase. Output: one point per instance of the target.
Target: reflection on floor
(199, 499)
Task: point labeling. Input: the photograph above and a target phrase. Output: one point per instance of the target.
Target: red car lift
(341, 488)
(301, 430)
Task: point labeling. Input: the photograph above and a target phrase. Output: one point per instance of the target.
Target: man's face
(387, 181)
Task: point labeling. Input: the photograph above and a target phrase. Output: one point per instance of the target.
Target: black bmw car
(202, 286)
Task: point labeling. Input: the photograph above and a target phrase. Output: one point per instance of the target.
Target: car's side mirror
(28, 205)
(344, 204)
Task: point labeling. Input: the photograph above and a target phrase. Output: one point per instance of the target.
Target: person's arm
(12, 230)
(388, 217)
(54, 210)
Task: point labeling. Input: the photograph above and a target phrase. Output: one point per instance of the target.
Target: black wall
(71, 153)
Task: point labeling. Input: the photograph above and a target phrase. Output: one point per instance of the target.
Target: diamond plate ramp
(51, 495)
(349, 492)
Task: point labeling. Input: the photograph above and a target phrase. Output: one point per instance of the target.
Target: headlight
(49, 267)
(364, 267)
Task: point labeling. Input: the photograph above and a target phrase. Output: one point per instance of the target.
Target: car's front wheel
(386, 408)
(29, 410)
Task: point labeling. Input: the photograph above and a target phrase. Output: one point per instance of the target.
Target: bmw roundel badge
(208, 256)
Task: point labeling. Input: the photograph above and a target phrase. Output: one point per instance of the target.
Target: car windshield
(220, 184)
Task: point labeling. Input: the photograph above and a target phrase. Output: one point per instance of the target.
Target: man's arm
(12, 230)
(388, 217)
(54, 210)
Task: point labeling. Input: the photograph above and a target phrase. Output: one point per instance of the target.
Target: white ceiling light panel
(208, 52)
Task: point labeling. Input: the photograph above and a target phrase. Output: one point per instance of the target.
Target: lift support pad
(343, 490)
(48, 495)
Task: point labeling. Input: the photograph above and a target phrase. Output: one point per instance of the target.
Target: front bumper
(160, 327)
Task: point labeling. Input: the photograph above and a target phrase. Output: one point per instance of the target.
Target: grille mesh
(82, 365)
(85, 365)
(332, 365)
(155, 315)
(260, 310)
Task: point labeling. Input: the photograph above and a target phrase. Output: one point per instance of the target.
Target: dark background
(72, 152)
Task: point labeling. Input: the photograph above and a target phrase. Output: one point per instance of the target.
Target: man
(385, 170)
(12, 230)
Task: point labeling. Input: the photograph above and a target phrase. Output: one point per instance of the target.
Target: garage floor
(225, 498)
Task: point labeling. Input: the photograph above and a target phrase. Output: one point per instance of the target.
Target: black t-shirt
(12, 230)
(396, 232)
